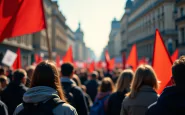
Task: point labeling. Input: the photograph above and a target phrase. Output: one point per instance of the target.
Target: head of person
(124, 80)
(94, 75)
(67, 70)
(20, 76)
(4, 81)
(178, 72)
(144, 75)
(2, 71)
(107, 85)
(46, 74)
(30, 71)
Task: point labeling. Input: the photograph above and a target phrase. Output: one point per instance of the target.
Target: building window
(182, 35)
(182, 12)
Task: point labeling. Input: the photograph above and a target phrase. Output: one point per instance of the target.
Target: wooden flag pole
(48, 44)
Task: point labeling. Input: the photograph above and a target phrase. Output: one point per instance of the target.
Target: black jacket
(3, 109)
(92, 88)
(12, 96)
(115, 103)
(171, 102)
(80, 103)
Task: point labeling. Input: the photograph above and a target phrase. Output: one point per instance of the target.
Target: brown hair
(46, 74)
(124, 80)
(144, 75)
(106, 85)
(178, 71)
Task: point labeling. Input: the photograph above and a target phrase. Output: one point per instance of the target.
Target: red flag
(68, 56)
(18, 17)
(107, 58)
(175, 55)
(132, 58)
(58, 61)
(92, 67)
(38, 59)
(17, 63)
(161, 62)
(143, 61)
(111, 64)
(99, 64)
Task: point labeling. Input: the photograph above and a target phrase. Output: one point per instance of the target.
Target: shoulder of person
(19, 108)
(64, 109)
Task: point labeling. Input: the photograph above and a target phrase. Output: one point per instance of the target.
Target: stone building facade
(141, 19)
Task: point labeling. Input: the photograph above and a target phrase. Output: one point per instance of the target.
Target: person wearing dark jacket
(172, 99)
(122, 87)
(74, 94)
(3, 109)
(92, 86)
(12, 95)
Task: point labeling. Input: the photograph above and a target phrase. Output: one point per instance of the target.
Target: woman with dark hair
(45, 96)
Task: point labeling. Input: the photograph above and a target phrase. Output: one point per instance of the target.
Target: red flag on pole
(161, 62)
(58, 61)
(18, 17)
(143, 61)
(107, 58)
(175, 55)
(17, 63)
(38, 58)
(111, 64)
(68, 56)
(92, 67)
(132, 58)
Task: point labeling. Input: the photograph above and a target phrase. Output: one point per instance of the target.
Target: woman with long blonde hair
(122, 88)
(143, 92)
(45, 95)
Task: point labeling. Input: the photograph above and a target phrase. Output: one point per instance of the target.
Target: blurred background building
(139, 22)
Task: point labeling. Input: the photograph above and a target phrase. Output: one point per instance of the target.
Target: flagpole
(48, 44)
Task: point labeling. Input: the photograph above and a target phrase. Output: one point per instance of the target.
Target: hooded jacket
(170, 102)
(42, 94)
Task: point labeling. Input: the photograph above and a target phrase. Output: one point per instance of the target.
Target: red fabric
(111, 64)
(142, 61)
(38, 59)
(99, 64)
(18, 17)
(124, 60)
(17, 63)
(107, 58)
(92, 67)
(161, 62)
(132, 58)
(68, 56)
(175, 55)
(58, 61)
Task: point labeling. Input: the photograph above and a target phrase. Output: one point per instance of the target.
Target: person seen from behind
(143, 92)
(122, 88)
(73, 93)
(172, 99)
(45, 96)
(29, 71)
(101, 101)
(3, 107)
(92, 85)
(12, 95)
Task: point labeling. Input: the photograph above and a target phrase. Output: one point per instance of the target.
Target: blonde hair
(106, 85)
(144, 75)
(124, 80)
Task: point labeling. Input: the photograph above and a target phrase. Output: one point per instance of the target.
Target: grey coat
(42, 94)
(138, 105)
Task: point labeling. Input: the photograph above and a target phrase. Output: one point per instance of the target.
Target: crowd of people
(48, 90)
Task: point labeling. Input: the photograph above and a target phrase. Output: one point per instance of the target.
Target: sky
(95, 17)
